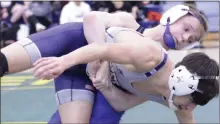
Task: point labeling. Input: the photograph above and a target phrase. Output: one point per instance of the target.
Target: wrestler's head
(185, 27)
(194, 81)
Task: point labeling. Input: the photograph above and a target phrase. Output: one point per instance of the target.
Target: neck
(156, 34)
(163, 89)
(163, 86)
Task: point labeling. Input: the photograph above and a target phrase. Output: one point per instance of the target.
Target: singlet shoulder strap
(140, 29)
(161, 63)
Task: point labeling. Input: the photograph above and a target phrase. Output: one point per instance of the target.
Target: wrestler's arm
(117, 98)
(140, 55)
(137, 54)
(95, 23)
(185, 117)
(120, 100)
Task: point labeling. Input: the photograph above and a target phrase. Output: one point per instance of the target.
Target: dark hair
(207, 68)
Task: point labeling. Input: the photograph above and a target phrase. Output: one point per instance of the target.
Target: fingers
(96, 65)
(42, 62)
(48, 68)
(52, 72)
(46, 71)
(48, 76)
(93, 67)
(41, 59)
(92, 79)
(102, 72)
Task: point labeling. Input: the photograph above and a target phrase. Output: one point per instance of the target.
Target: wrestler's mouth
(177, 42)
(182, 107)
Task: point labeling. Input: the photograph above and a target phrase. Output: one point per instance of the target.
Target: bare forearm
(95, 23)
(113, 52)
(120, 100)
(83, 55)
(185, 117)
(119, 19)
(187, 122)
(190, 120)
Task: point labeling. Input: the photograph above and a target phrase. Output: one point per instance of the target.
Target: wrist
(66, 62)
(106, 87)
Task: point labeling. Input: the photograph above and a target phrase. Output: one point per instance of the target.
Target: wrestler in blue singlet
(102, 113)
(67, 38)
(102, 110)
(59, 41)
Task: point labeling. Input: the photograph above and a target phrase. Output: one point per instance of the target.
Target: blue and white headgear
(168, 18)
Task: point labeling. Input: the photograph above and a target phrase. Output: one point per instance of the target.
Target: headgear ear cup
(169, 17)
(174, 13)
(182, 82)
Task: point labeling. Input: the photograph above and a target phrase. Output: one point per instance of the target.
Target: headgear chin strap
(192, 45)
(168, 18)
(170, 101)
(182, 82)
(167, 36)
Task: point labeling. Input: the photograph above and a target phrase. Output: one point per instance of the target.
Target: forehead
(195, 23)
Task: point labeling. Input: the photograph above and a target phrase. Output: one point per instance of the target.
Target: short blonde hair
(196, 12)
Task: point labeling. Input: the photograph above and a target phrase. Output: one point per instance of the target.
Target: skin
(185, 31)
(188, 31)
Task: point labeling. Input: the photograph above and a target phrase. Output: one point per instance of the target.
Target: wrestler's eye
(193, 77)
(180, 70)
(172, 76)
(190, 39)
(186, 29)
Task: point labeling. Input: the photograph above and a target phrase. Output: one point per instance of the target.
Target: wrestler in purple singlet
(61, 40)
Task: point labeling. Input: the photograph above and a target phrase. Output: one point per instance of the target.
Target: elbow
(130, 16)
(90, 17)
(120, 109)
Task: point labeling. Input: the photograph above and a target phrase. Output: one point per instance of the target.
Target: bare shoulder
(144, 52)
(127, 20)
(124, 15)
(149, 54)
